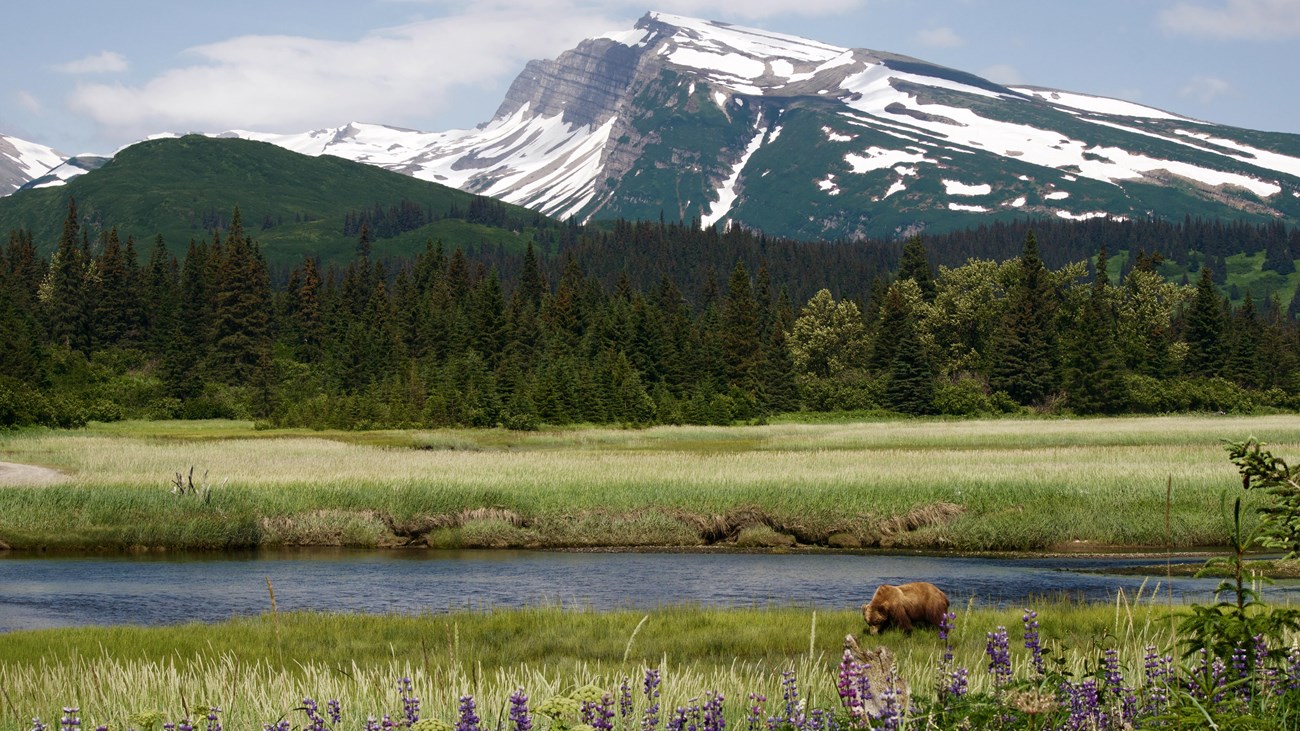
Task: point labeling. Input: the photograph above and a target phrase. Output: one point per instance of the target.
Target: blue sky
(91, 76)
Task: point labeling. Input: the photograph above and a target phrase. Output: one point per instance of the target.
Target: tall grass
(1019, 484)
(258, 674)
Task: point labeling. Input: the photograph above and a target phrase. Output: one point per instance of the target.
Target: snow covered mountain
(695, 119)
(22, 161)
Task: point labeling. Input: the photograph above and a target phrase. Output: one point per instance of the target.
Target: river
(62, 591)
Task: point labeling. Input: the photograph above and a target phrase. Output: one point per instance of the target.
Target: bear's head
(874, 616)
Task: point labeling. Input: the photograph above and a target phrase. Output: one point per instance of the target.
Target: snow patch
(834, 136)
(1098, 104)
(970, 209)
(897, 187)
(776, 132)
(1018, 203)
(877, 158)
(956, 187)
(1057, 195)
(720, 99)
(828, 185)
(727, 193)
(1083, 216)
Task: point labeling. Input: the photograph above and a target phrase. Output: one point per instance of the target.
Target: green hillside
(293, 204)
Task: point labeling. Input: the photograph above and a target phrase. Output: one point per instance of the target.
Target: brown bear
(903, 605)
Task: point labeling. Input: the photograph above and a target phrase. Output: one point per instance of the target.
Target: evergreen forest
(645, 323)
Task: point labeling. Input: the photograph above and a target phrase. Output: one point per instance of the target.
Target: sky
(90, 76)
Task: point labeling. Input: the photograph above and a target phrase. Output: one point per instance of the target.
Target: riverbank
(260, 668)
(1001, 485)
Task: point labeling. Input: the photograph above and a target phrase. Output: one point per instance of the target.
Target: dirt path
(26, 475)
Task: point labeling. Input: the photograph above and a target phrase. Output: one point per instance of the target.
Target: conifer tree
(1094, 378)
(1205, 328)
(910, 389)
(241, 324)
(915, 265)
(1242, 358)
(741, 335)
(64, 289)
(1025, 357)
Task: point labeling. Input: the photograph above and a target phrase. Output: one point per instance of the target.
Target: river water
(40, 592)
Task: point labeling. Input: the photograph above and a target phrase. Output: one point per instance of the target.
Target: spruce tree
(741, 336)
(1205, 330)
(915, 265)
(1094, 378)
(910, 388)
(1025, 350)
(63, 294)
(241, 323)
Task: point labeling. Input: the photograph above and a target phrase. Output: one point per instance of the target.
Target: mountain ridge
(703, 120)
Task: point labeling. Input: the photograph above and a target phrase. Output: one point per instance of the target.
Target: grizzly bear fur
(904, 605)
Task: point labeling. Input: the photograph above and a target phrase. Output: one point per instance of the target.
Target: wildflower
(678, 720)
(316, 722)
(957, 683)
(1085, 705)
(754, 716)
(1114, 678)
(468, 718)
(70, 720)
(1030, 620)
(410, 704)
(713, 720)
(999, 656)
(599, 714)
(650, 720)
(946, 626)
(372, 724)
(790, 694)
(335, 711)
(625, 699)
(214, 721)
(520, 720)
(38, 726)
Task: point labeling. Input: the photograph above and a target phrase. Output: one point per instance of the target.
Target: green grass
(971, 485)
(257, 668)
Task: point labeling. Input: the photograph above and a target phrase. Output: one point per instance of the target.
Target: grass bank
(260, 668)
(960, 485)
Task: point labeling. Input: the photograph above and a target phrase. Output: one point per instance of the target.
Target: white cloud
(399, 75)
(289, 83)
(751, 9)
(944, 37)
(1205, 89)
(104, 62)
(28, 101)
(1004, 74)
(1235, 19)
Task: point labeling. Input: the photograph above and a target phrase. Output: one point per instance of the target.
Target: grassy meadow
(950, 485)
(260, 668)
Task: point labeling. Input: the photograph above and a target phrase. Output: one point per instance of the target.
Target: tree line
(450, 338)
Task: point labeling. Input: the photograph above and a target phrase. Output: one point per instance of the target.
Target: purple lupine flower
(102, 727)
(520, 718)
(214, 719)
(169, 726)
(317, 723)
(599, 715)
(1114, 678)
(410, 704)
(678, 720)
(1219, 679)
(1085, 705)
(468, 718)
(70, 720)
(625, 699)
(281, 725)
(184, 725)
(818, 720)
(754, 714)
(372, 724)
(334, 710)
(790, 694)
(891, 710)
(849, 675)
(650, 720)
(38, 726)
(1030, 620)
(999, 656)
(957, 683)
(389, 723)
(1158, 672)
(713, 720)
